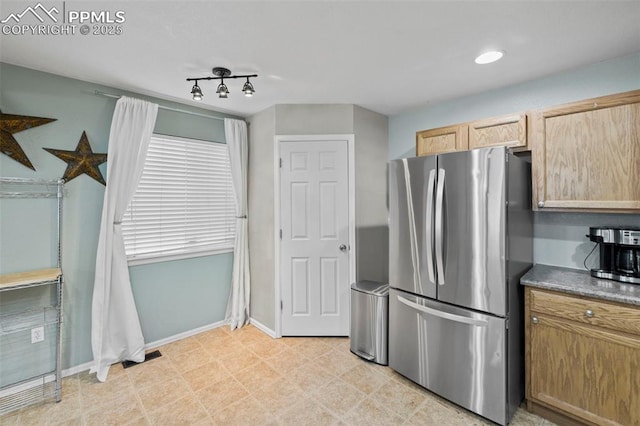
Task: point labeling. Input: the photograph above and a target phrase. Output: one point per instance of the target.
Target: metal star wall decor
(10, 124)
(80, 161)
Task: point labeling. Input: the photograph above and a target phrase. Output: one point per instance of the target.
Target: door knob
(343, 247)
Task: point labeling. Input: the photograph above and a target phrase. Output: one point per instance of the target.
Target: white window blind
(184, 204)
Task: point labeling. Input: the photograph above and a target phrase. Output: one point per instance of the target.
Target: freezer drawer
(456, 353)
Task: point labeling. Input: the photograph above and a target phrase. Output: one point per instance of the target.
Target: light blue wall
(181, 295)
(559, 238)
(171, 297)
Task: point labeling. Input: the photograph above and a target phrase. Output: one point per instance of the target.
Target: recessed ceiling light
(488, 57)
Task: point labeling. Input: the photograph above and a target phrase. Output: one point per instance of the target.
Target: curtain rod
(184, 111)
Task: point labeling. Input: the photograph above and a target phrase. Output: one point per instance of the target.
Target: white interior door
(314, 247)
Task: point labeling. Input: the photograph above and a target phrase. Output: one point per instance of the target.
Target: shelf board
(28, 278)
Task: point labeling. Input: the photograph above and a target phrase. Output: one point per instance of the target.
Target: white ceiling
(387, 56)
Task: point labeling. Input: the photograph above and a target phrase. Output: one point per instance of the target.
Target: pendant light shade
(248, 89)
(222, 90)
(196, 92)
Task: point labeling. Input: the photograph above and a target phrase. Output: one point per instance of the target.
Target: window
(184, 205)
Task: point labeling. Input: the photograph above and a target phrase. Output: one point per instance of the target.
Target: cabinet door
(586, 155)
(441, 140)
(508, 130)
(588, 373)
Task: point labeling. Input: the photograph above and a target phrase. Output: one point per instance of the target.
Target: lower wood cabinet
(582, 359)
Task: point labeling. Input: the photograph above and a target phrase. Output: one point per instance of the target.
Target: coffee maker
(619, 253)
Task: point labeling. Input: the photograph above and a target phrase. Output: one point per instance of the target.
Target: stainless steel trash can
(370, 320)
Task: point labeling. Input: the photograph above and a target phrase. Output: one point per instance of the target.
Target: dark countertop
(575, 281)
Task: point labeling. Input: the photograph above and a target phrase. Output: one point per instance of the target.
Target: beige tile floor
(245, 377)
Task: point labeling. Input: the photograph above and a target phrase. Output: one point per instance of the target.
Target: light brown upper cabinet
(586, 155)
(507, 130)
(441, 140)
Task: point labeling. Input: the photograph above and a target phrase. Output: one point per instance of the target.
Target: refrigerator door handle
(441, 314)
(439, 227)
(429, 227)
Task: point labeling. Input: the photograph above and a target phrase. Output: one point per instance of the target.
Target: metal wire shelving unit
(16, 325)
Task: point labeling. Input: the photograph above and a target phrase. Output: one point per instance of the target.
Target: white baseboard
(77, 369)
(152, 345)
(184, 335)
(257, 324)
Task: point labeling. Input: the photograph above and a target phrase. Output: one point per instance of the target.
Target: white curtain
(238, 306)
(116, 334)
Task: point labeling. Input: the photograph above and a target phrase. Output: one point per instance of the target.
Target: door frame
(351, 187)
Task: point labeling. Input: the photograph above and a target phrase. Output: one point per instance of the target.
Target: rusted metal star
(10, 124)
(81, 161)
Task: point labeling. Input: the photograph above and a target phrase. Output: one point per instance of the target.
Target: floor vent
(147, 357)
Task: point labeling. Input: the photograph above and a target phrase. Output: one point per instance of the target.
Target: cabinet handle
(534, 319)
(541, 204)
(588, 313)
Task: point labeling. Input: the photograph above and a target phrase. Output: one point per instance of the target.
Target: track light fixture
(222, 90)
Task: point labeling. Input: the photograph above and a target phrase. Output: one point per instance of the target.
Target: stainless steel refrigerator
(460, 238)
